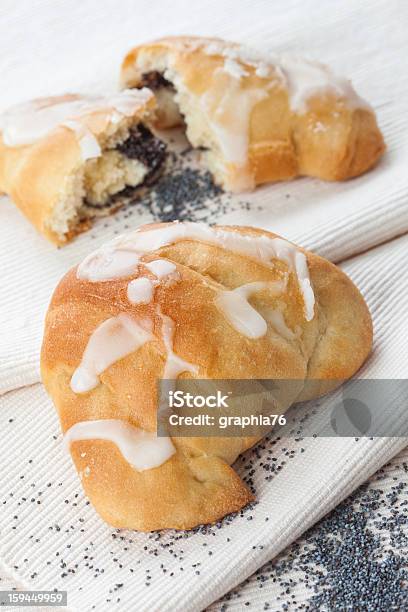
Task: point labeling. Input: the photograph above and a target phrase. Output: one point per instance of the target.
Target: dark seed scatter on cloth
(134, 556)
(343, 562)
(182, 195)
(183, 192)
(356, 558)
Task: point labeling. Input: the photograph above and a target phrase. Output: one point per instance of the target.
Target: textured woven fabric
(282, 583)
(46, 520)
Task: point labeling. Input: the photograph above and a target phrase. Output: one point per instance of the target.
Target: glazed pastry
(67, 159)
(259, 118)
(184, 300)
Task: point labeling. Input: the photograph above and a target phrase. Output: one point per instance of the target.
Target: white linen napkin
(88, 42)
(52, 538)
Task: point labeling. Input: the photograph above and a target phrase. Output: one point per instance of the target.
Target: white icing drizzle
(234, 68)
(107, 264)
(128, 101)
(261, 248)
(175, 365)
(228, 108)
(305, 79)
(161, 267)
(301, 77)
(27, 123)
(319, 127)
(241, 54)
(140, 290)
(111, 341)
(277, 320)
(89, 145)
(239, 312)
(115, 261)
(141, 449)
(121, 335)
(296, 261)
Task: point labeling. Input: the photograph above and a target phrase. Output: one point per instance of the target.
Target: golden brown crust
(35, 175)
(333, 139)
(196, 485)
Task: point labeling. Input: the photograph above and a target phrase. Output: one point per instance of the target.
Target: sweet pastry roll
(258, 117)
(187, 301)
(66, 160)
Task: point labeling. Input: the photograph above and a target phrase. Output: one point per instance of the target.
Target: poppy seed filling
(140, 146)
(145, 147)
(155, 80)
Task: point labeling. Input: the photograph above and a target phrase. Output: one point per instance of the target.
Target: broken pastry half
(187, 301)
(259, 118)
(68, 159)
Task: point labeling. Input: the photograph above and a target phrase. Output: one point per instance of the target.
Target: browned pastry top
(186, 300)
(261, 117)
